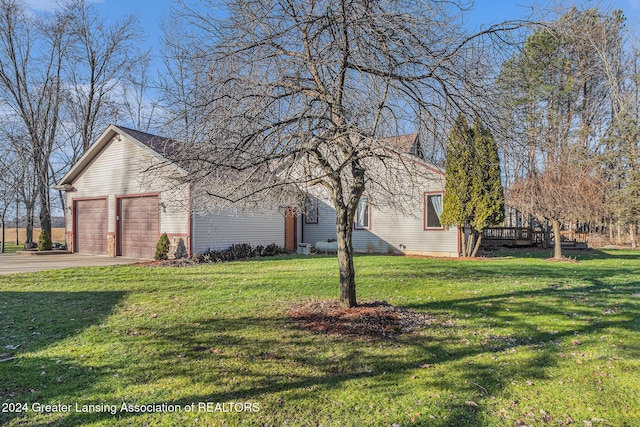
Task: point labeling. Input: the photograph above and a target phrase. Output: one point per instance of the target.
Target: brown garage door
(138, 226)
(91, 226)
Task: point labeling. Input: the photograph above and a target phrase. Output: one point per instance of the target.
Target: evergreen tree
(473, 189)
(456, 210)
(162, 248)
(487, 195)
(44, 241)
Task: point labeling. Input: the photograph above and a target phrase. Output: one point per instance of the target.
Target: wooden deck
(507, 236)
(523, 236)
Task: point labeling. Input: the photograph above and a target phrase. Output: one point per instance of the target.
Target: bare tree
(139, 108)
(57, 72)
(8, 188)
(97, 62)
(300, 94)
(185, 74)
(571, 192)
(31, 52)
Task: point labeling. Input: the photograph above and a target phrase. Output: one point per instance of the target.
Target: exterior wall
(391, 231)
(119, 170)
(225, 228)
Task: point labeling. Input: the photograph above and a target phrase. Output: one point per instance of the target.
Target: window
(311, 211)
(362, 220)
(432, 211)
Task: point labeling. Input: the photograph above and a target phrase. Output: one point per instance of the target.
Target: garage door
(138, 226)
(91, 226)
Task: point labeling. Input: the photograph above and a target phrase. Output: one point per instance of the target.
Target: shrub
(44, 241)
(237, 252)
(162, 248)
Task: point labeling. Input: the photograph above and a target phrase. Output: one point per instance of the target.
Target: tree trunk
(632, 234)
(463, 240)
(29, 225)
(2, 243)
(557, 243)
(344, 224)
(477, 245)
(611, 230)
(44, 199)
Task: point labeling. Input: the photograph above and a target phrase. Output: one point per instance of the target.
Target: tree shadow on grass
(261, 358)
(33, 321)
(251, 356)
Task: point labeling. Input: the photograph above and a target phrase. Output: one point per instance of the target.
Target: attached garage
(125, 192)
(138, 226)
(91, 226)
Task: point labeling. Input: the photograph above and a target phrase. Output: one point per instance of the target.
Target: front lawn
(515, 341)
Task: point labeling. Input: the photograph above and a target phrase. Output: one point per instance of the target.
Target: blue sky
(481, 11)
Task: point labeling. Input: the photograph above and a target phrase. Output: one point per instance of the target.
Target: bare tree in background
(185, 75)
(8, 188)
(96, 63)
(31, 58)
(298, 93)
(138, 108)
(57, 72)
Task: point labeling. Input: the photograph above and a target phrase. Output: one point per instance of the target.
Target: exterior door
(290, 229)
(139, 226)
(91, 226)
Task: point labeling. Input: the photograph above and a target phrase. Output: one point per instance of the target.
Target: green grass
(10, 248)
(518, 341)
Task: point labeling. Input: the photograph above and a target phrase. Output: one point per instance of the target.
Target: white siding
(119, 170)
(223, 229)
(390, 231)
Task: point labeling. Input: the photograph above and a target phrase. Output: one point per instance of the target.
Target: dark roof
(164, 146)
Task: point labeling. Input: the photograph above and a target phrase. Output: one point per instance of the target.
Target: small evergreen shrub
(44, 241)
(162, 248)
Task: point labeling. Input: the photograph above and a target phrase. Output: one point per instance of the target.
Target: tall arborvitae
(456, 210)
(487, 195)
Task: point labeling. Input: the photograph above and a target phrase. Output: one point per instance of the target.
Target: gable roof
(160, 147)
(407, 144)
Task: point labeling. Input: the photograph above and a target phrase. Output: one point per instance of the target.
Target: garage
(139, 226)
(91, 226)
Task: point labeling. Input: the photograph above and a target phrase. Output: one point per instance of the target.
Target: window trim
(355, 217)
(312, 203)
(426, 201)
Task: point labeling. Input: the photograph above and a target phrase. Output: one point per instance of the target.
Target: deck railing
(524, 236)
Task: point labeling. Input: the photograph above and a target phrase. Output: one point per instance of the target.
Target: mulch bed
(376, 319)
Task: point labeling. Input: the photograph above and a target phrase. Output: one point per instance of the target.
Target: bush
(237, 252)
(162, 248)
(44, 241)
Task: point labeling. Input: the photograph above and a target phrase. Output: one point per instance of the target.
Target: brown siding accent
(91, 226)
(139, 226)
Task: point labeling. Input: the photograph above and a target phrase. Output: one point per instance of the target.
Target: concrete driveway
(13, 263)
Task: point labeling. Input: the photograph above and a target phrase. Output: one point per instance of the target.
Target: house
(122, 194)
(406, 224)
(125, 191)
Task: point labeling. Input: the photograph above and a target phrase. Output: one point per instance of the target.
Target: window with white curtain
(433, 210)
(362, 220)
